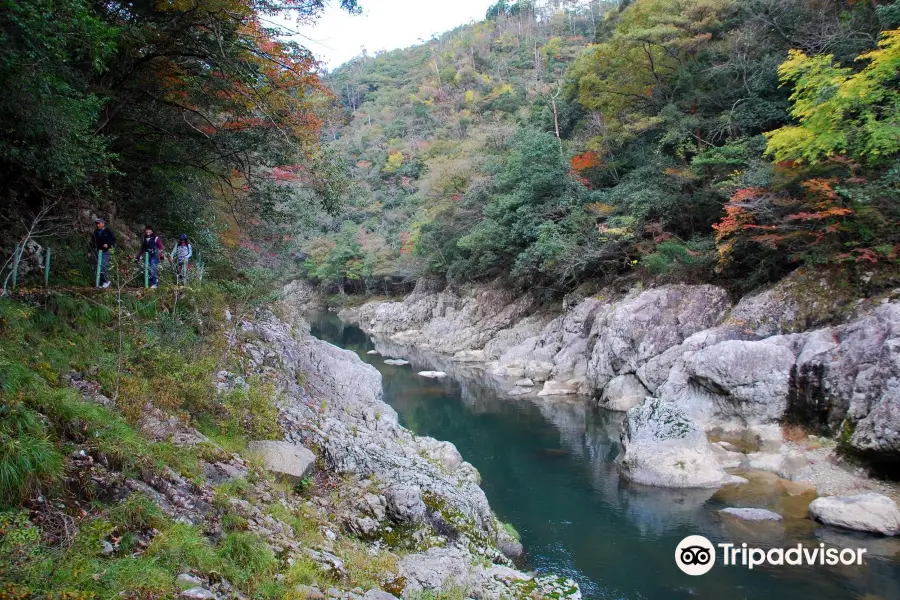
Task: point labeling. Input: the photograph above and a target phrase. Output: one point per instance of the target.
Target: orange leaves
(818, 216)
(407, 242)
(815, 222)
(584, 161)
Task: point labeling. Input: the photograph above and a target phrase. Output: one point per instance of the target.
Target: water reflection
(547, 467)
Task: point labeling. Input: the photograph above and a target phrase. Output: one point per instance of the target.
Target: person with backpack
(103, 241)
(180, 255)
(152, 246)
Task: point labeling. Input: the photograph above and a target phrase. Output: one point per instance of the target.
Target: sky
(384, 25)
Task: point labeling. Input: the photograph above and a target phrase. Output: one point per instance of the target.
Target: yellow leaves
(394, 162)
(600, 209)
(841, 111)
(471, 96)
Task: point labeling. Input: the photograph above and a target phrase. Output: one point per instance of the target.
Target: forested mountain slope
(558, 142)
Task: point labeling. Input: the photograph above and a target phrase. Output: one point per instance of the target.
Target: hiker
(103, 241)
(152, 246)
(181, 254)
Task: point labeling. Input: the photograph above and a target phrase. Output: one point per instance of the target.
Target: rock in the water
(623, 392)
(520, 391)
(864, 512)
(433, 374)
(284, 458)
(661, 446)
(558, 388)
(396, 362)
(752, 514)
(372, 352)
(525, 383)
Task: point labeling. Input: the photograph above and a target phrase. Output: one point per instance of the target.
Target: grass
(511, 531)
(158, 353)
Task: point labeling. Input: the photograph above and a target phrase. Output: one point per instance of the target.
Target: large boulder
(649, 324)
(405, 504)
(864, 512)
(284, 458)
(737, 381)
(662, 446)
(862, 373)
(623, 393)
(803, 300)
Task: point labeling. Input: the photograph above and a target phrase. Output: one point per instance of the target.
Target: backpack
(150, 246)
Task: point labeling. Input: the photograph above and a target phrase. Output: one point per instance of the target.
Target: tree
(841, 112)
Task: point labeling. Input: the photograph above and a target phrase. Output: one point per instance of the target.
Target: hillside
(555, 143)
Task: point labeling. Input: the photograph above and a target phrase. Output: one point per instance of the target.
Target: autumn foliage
(816, 225)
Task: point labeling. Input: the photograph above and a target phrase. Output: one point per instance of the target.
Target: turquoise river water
(548, 468)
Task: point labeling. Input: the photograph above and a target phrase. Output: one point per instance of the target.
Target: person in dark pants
(103, 241)
(181, 254)
(152, 246)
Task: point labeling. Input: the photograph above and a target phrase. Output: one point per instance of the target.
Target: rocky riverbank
(779, 381)
(414, 496)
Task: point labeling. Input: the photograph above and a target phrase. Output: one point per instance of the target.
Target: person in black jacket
(103, 241)
(153, 247)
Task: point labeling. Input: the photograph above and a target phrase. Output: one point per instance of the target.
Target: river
(548, 468)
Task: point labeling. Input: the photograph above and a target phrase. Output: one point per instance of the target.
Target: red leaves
(584, 161)
(818, 216)
(816, 221)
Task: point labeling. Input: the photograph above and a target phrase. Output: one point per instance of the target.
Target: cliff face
(414, 495)
(799, 352)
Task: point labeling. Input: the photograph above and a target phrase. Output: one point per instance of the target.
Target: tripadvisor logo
(696, 555)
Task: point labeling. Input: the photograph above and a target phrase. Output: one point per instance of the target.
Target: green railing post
(99, 266)
(17, 256)
(47, 268)
(146, 270)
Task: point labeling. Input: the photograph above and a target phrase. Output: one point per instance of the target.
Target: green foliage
(675, 256)
(511, 531)
(248, 554)
(842, 112)
(549, 161)
(27, 455)
(48, 111)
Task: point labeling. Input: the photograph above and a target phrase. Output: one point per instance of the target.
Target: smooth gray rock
(864, 512)
(198, 593)
(432, 374)
(284, 458)
(623, 392)
(186, 580)
(752, 377)
(559, 388)
(752, 514)
(448, 321)
(648, 324)
(396, 362)
(378, 595)
(662, 447)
